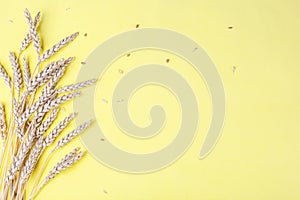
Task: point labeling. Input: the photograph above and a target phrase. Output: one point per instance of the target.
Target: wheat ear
(47, 73)
(3, 125)
(76, 86)
(30, 164)
(27, 74)
(44, 75)
(49, 88)
(50, 52)
(17, 75)
(70, 136)
(31, 160)
(33, 33)
(64, 163)
(50, 138)
(26, 41)
(18, 160)
(47, 123)
(5, 77)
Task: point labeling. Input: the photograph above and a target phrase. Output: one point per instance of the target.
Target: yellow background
(257, 156)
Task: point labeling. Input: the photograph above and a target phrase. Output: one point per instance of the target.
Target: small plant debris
(121, 71)
(233, 68)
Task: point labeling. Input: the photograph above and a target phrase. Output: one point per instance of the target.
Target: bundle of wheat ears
(26, 131)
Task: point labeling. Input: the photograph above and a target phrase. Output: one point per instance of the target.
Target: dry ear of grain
(44, 75)
(27, 74)
(18, 160)
(50, 52)
(55, 170)
(2, 123)
(58, 101)
(39, 116)
(26, 41)
(49, 88)
(31, 160)
(18, 127)
(29, 111)
(17, 75)
(58, 129)
(76, 86)
(47, 123)
(33, 33)
(5, 77)
(66, 162)
(70, 136)
(47, 73)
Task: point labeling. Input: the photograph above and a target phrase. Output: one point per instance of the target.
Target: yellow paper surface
(257, 156)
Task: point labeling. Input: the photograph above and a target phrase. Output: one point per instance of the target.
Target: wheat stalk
(5, 77)
(47, 123)
(26, 41)
(27, 74)
(31, 160)
(2, 123)
(33, 111)
(50, 52)
(18, 160)
(66, 162)
(33, 33)
(50, 138)
(66, 139)
(44, 75)
(17, 75)
(77, 86)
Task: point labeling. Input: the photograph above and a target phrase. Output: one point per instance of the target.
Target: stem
(22, 191)
(2, 152)
(3, 173)
(4, 194)
(40, 173)
(16, 153)
(39, 187)
(19, 190)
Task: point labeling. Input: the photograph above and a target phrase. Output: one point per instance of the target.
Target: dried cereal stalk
(5, 77)
(49, 88)
(66, 162)
(17, 75)
(27, 74)
(44, 75)
(59, 100)
(26, 41)
(3, 125)
(18, 127)
(33, 33)
(50, 138)
(50, 52)
(47, 73)
(18, 160)
(66, 139)
(76, 86)
(32, 113)
(31, 160)
(29, 111)
(47, 123)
